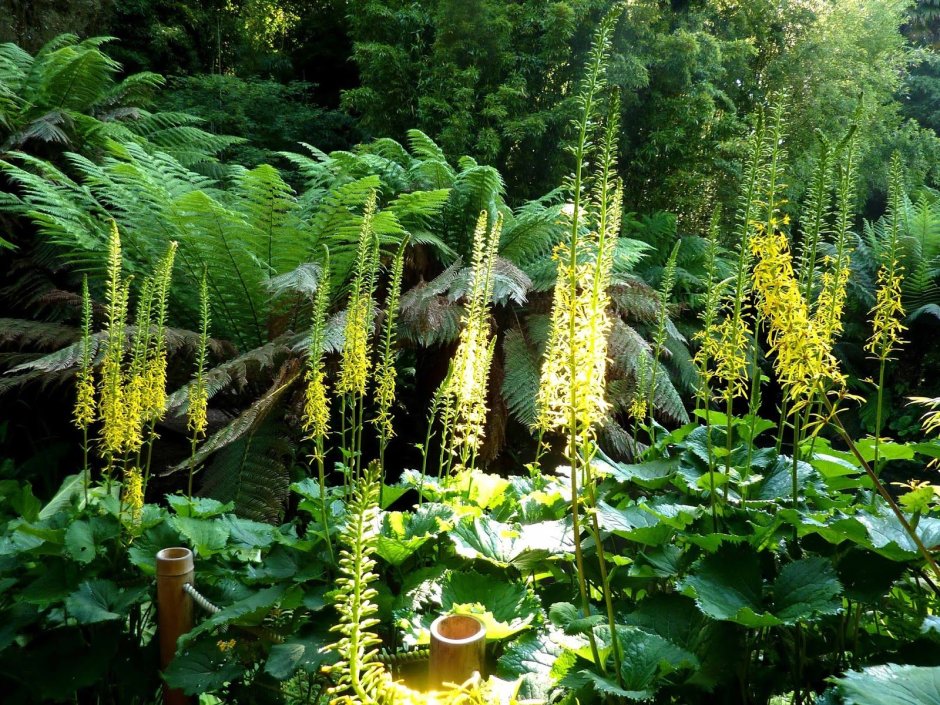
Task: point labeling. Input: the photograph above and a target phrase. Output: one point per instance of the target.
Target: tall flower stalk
(84, 413)
(112, 403)
(659, 338)
(704, 337)
(197, 413)
(887, 315)
(571, 397)
(465, 390)
(153, 403)
(385, 373)
(316, 419)
(356, 362)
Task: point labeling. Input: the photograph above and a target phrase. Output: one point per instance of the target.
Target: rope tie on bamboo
(201, 599)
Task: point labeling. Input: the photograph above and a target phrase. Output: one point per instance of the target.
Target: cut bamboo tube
(175, 568)
(458, 649)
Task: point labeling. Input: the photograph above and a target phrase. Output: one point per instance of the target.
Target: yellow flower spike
(355, 362)
(802, 344)
(84, 411)
(887, 313)
(316, 418)
(197, 413)
(465, 394)
(385, 374)
(573, 378)
(154, 402)
(113, 404)
(133, 499)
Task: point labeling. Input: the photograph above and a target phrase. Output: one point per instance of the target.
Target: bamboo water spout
(175, 568)
(458, 649)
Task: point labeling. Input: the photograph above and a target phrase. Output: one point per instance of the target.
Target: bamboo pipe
(175, 568)
(458, 648)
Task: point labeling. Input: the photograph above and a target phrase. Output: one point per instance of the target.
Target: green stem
(321, 475)
(878, 411)
(602, 563)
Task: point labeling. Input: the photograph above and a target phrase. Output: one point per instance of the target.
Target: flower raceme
(355, 362)
(888, 312)
(802, 343)
(316, 418)
(572, 387)
(466, 387)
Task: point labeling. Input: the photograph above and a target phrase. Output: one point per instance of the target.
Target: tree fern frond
(252, 473)
(428, 316)
(250, 419)
(424, 147)
(236, 373)
(520, 377)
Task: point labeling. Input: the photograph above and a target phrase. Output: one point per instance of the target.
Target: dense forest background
(493, 80)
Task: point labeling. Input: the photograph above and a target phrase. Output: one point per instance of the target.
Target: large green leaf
(403, 533)
(520, 545)
(207, 536)
(202, 668)
(727, 585)
(806, 589)
(647, 658)
(70, 488)
(531, 658)
(505, 608)
(891, 684)
(635, 523)
(101, 601)
(249, 610)
(80, 542)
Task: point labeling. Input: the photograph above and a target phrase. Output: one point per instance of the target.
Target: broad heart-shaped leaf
(887, 450)
(202, 667)
(647, 657)
(569, 618)
(778, 483)
(246, 533)
(101, 601)
(83, 538)
(70, 489)
(806, 589)
(403, 533)
(80, 542)
(653, 475)
(521, 545)
(727, 585)
(249, 610)
(505, 608)
(306, 653)
(634, 523)
(207, 536)
(891, 684)
(199, 507)
(531, 658)
(677, 619)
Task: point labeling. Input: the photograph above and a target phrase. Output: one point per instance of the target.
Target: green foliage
(74, 583)
(891, 685)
